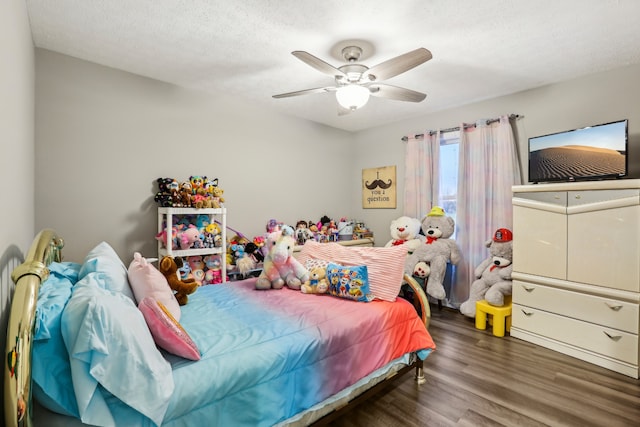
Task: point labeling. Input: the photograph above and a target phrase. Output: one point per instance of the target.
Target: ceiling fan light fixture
(352, 96)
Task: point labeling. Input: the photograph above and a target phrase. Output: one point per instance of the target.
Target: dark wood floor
(476, 379)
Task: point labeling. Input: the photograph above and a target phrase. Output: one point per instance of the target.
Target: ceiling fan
(354, 82)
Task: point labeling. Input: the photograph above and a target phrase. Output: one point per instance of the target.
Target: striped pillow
(385, 265)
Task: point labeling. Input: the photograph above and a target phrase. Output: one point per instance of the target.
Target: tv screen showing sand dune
(593, 152)
(575, 162)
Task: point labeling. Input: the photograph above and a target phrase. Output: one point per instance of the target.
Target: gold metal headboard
(420, 299)
(45, 249)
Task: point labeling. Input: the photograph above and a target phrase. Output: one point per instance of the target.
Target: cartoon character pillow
(349, 282)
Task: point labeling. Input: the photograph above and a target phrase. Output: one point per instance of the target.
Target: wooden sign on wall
(379, 188)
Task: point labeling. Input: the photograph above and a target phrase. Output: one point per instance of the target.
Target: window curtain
(488, 167)
(421, 174)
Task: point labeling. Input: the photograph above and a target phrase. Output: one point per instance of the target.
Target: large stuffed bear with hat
(429, 260)
(493, 274)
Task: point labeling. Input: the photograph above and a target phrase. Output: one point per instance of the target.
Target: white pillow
(104, 260)
(109, 344)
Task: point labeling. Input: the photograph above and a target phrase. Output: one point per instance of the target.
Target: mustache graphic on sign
(378, 183)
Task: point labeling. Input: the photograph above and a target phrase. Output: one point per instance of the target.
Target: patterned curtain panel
(421, 174)
(488, 167)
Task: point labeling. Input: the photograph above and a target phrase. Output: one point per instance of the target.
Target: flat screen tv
(590, 153)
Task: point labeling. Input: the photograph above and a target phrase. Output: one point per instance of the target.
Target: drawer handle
(528, 313)
(613, 337)
(613, 307)
(528, 288)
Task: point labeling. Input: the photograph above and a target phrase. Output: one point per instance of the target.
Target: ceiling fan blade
(306, 91)
(395, 92)
(317, 63)
(398, 65)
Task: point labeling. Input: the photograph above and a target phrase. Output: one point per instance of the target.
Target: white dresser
(576, 270)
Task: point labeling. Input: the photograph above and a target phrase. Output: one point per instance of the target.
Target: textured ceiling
(481, 49)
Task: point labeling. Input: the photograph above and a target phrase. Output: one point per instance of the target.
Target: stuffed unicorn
(280, 267)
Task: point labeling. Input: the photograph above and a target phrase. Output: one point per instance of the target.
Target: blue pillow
(104, 260)
(349, 282)
(110, 347)
(51, 371)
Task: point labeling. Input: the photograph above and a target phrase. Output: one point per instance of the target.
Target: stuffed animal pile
(196, 192)
(493, 274)
(405, 231)
(429, 260)
(324, 230)
(280, 267)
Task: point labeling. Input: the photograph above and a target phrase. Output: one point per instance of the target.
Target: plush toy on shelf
(196, 264)
(493, 275)
(182, 288)
(185, 194)
(280, 267)
(429, 260)
(405, 231)
(197, 182)
(202, 200)
(213, 270)
(216, 197)
(188, 237)
(302, 232)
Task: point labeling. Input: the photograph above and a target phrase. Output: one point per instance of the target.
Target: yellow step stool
(498, 317)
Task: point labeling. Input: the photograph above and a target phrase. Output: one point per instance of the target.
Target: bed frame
(47, 248)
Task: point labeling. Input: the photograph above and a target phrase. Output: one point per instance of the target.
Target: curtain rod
(465, 126)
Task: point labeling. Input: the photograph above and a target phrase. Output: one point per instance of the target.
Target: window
(448, 190)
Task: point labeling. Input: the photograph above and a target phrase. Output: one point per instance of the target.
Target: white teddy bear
(493, 274)
(405, 231)
(430, 259)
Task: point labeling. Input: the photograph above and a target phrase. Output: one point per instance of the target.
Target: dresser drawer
(608, 312)
(599, 339)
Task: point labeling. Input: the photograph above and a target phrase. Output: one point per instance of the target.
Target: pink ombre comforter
(268, 355)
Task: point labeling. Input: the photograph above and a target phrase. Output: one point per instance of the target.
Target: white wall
(589, 100)
(16, 125)
(16, 145)
(103, 137)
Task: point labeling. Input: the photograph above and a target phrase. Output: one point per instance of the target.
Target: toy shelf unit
(167, 217)
(576, 270)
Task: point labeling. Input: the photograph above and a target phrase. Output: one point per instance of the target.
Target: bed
(277, 357)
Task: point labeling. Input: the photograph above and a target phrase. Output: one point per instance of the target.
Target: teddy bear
(216, 197)
(429, 260)
(317, 283)
(405, 230)
(201, 199)
(185, 194)
(168, 266)
(280, 267)
(493, 275)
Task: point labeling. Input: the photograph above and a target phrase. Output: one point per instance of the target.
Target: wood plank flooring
(476, 379)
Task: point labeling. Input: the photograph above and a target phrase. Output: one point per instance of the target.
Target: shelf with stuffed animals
(192, 227)
(198, 238)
